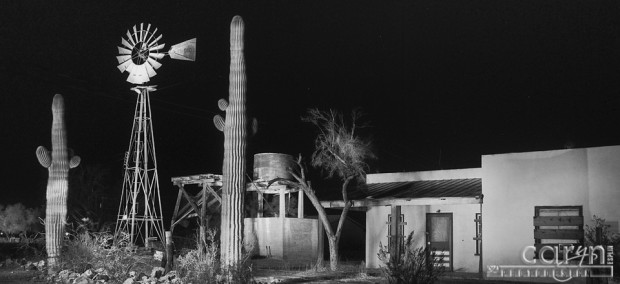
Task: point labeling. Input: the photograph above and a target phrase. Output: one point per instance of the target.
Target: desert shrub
(98, 250)
(203, 266)
(32, 246)
(607, 238)
(415, 264)
(16, 219)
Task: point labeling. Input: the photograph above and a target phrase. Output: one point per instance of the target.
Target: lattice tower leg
(139, 215)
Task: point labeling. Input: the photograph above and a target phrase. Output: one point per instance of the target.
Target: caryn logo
(566, 262)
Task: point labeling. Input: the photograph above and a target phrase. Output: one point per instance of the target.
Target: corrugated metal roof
(470, 187)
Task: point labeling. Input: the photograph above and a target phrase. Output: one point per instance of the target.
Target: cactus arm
(222, 104)
(254, 126)
(219, 122)
(74, 162)
(44, 156)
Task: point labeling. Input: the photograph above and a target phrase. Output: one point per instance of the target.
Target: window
(557, 226)
(478, 237)
(401, 232)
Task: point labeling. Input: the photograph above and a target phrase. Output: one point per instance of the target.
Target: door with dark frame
(439, 237)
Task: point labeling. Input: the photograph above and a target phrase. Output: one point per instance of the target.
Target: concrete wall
(463, 227)
(513, 184)
(284, 238)
(376, 232)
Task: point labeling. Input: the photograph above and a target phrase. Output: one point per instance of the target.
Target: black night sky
(442, 82)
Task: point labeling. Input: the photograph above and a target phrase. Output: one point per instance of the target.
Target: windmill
(139, 213)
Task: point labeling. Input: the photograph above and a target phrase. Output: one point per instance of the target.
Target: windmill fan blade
(155, 41)
(122, 50)
(148, 41)
(138, 75)
(146, 33)
(141, 31)
(135, 33)
(154, 63)
(184, 51)
(126, 44)
(130, 67)
(161, 46)
(149, 70)
(123, 58)
(157, 55)
(129, 37)
(124, 66)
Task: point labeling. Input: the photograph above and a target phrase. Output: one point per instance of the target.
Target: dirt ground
(278, 271)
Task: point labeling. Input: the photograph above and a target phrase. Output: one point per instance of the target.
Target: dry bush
(415, 265)
(97, 250)
(203, 266)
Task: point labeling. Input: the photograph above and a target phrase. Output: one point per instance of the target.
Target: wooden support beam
(395, 234)
(260, 204)
(203, 215)
(175, 215)
(212, 191)
(191, 202)
(282, 204)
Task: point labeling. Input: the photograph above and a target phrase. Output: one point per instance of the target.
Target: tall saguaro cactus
(235, 144)
(58, 162)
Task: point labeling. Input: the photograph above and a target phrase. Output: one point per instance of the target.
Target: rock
(157, 272)
(132, 274)
(102, 277)
(88, 273)
(128, 281)
(64, 274)
(41, 265)
(29, 266)
(83, 280)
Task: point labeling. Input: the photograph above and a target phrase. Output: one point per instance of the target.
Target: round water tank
(268, 166)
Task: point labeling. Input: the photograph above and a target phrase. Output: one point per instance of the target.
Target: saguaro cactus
(58, 163)
(235, 144)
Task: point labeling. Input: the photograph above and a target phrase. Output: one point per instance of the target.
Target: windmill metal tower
(139, 213)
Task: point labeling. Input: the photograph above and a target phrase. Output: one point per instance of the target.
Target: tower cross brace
(139, 219)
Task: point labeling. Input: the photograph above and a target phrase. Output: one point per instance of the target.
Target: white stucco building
(488, 215)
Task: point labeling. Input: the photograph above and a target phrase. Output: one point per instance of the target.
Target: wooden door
(439, 237)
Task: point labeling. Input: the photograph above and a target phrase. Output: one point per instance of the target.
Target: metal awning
(425, 192)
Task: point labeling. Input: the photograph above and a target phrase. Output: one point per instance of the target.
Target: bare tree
(340, 152)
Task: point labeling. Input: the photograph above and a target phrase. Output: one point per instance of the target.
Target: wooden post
(169, 252)
(480, 256)
(395, 234)
(203, 216)
(320, 244)
(176, 209)
(260, 204)
(283, 202)
(300, 204)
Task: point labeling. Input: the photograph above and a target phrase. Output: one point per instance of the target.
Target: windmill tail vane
(141, 51)
(184, 51)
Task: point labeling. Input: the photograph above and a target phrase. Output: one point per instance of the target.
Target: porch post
(300, 204)
(283, 202)
(395, 234)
